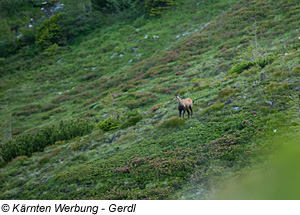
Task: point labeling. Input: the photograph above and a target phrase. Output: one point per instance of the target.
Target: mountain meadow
(88, 107)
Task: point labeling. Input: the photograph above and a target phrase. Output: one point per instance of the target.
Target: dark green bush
(140, 99)
(156, 7)
(50, 32)
(240, 67)
(131, 121)
(109, 124)
(173, 122)
(262, 62)
(131, 113)
(29, 143)
(10, 7)
(112, 6)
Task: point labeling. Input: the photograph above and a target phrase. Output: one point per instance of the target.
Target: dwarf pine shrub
(50, 33)
(131, 121)
(156, 7)
(173, 122)
(262, 62)
(26, 144)
(240, 67)
(109, 124)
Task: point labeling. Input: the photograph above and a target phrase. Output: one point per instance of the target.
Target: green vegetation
(26, 144)
(281, 171)
(87, 95)
(109, 124)
(172, 122)
(50, 33)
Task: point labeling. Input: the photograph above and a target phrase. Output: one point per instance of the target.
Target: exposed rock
(56, 7)
(112, 139)
(204, 26)
(114, 54)
(186, 33)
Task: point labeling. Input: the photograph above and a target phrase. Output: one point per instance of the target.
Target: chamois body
(185, 105)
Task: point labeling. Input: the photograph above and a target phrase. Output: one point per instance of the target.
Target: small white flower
(30, 26)
(146, 37)
(299, 38)
(286, 54)
(274, 130)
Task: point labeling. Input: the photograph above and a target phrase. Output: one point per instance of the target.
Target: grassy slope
(168, 159)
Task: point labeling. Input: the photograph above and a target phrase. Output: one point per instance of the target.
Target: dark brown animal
(185, 105)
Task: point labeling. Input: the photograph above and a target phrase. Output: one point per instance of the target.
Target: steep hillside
(237, 60)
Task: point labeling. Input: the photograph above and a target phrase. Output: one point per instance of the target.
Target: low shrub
(156, 107)
(26, 144)
(131, 113)
(173, 122)
(240, 67)
(131, 121)
(109, 124)
(156, 7)
(225, 93)
(50, 33)
(262, 62)
(52, 50)
(197, 82)
(60, 99)
(77, 146)
(295, 71)
(213, 107)
(47, 107)
(141, 99)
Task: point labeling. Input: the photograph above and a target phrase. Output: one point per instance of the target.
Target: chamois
(185, 105)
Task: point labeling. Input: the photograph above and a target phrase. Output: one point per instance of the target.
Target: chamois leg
(191, 111)
(183, 113)
(180, 113)
(188, 113)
